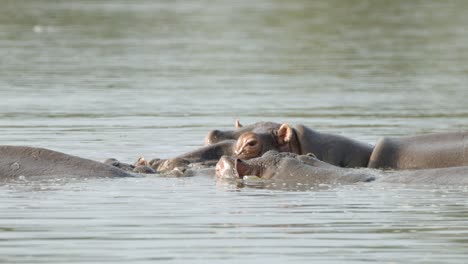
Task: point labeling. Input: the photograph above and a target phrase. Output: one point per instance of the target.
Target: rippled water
(121, 79)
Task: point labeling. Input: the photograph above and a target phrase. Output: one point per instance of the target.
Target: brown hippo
(16, 161)
(333, 149)
(414, 152)
(288, 170)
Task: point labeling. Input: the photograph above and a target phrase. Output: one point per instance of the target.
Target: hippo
(206, 156)
(139, 167)
(30, 162)
(333, 149)
(172, 167)
(282, 169)
(217, 144)
(246, 142)
(437, 150)
(216, 136)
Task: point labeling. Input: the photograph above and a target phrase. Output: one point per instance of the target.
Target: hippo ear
(284, 134)
(237, 124)
(242, 168)
(141, 162)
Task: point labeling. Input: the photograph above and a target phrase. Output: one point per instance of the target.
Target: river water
(101, 79)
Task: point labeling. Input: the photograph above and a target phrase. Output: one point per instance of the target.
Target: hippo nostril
(241, 168)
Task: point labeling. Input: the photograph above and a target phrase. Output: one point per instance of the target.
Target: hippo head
(288, 170)
(216, 136)
(254, 143)
(235, 168)
(266, 167)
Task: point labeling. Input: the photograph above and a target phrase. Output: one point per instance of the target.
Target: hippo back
(421, 152)
(18, 161)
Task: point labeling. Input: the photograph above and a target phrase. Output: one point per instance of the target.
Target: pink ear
(242, 168)
(141, 161)
(284, 134)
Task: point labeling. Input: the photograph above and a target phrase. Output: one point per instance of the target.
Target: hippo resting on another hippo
(413, 152)
(253, 140)
(20, 161)
(286, 170)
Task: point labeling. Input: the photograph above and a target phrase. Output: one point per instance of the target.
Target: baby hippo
(288, 169)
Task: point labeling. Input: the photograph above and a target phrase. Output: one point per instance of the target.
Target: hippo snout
(225, 168)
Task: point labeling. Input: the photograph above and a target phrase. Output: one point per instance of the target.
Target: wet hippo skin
(24, 161)
(206, 156)
(203, 157)
(292, 169)
(423, 151)
(139, 166)
(333, 149)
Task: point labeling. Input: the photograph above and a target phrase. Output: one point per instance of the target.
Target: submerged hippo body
(16, 161)
(288, 169)
(206, 156)
(438, 150)
(129, 167)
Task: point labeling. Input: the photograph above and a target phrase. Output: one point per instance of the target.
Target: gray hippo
(138, 167)
(169, 168)
(288, 169)
(17, 161)
(437, 150)
(413, 152)
(246, 142)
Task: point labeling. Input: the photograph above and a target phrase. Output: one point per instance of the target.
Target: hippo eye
(252, 143)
